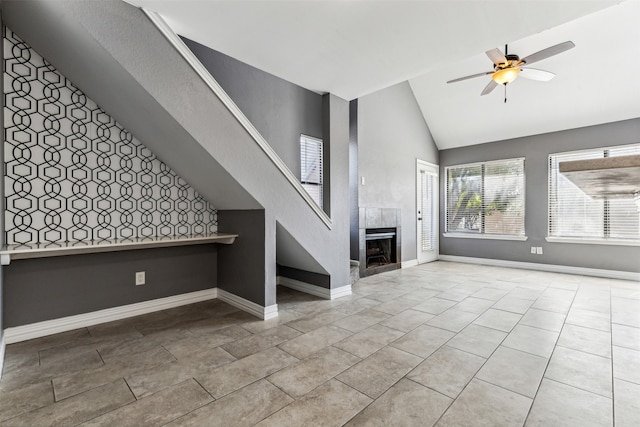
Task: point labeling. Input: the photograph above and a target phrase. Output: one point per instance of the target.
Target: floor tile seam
(204, 388)
(494, 329)
(624, 346)
(544, 372)
(467, 385)
(508, 389)
(526, 352)
(93, 387)
(158, 391)
(536, 327)
(610, 359)
(373, 399)
(544, 375)
(613, 378)
(624, 324)
(626, 380)
(587, 327)
(579, 388)
(406, 377)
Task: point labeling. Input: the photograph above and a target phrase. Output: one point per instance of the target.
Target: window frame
(483, 234)
(306, 139)
(616, 241)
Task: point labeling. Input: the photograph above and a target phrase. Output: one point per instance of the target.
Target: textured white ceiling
(353, 48)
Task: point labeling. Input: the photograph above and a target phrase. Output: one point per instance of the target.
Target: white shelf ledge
(13, 252)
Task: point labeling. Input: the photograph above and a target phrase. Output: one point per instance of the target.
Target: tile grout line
(555, 345)
(613, 381)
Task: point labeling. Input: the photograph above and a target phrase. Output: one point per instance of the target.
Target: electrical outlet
(539, 250)
(140, 278)
(533, 250)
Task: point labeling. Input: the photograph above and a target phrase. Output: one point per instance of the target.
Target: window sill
(485, 236)
(592, 241)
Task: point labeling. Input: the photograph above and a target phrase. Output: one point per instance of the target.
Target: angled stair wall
(114, 53)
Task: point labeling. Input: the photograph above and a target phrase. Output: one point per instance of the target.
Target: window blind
(573, 214)
(311, 167)
(486, 198)
(428, 225)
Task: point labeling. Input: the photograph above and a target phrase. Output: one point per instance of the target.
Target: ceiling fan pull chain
(505, 93)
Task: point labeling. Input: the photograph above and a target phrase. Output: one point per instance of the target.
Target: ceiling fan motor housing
(511, 60)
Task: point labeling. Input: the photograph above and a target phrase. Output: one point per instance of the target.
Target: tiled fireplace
(379, 240)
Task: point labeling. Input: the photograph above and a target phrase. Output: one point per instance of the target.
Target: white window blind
(428, 225)
(486, 198)
(311, 167)
(575, 215)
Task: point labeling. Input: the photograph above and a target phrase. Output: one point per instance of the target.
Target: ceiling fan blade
(488, 88)
(546, 53)
(496, 56)
(472, 76)
(539, 75)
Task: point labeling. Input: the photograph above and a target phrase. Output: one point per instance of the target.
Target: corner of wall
(242, 267)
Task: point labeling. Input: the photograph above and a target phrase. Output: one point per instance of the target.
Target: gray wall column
(243, 267)
(337, 139)
(392, 134)
(354, 223)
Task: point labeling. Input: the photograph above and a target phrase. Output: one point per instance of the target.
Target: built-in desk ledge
(43, 250)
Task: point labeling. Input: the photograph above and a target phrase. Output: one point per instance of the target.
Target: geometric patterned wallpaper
(73, 174)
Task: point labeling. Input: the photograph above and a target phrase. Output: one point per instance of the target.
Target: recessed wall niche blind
(311, 167)
(486, 198)
(575, 215)
(428, 225)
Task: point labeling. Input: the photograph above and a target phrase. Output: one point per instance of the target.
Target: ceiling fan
(506, 67)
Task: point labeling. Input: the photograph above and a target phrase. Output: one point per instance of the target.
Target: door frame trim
(421, 164)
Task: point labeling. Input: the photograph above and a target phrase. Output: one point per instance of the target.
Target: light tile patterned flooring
(443, 343)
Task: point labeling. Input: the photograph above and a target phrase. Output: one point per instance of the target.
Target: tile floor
(441, 344)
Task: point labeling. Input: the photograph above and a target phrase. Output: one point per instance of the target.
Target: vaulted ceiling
(354, 48)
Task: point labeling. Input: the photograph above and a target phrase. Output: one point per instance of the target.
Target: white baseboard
(609, 274)
(2, 347)
(410, 263)
(314, 289)
(266, 313)
(49, 327)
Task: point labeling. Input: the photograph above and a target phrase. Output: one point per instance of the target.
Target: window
(486, 199)
(311, 167)
(573, 215)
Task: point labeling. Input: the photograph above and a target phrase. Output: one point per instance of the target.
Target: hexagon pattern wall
(72, 173)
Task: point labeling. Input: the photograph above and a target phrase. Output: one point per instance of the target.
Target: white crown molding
(314, 289)
(49, 327)
(567, 269)
(266, 313)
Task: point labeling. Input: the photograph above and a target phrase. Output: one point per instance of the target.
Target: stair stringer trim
(215, 87)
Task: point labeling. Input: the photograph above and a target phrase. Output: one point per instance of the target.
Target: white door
(427, 211)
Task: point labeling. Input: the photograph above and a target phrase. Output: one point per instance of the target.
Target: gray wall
(243, 264)
(536, 150)
(280, 110)
(49, 288)
(392, 134)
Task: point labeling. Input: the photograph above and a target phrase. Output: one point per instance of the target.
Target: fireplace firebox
(379, 235)
(381, 246)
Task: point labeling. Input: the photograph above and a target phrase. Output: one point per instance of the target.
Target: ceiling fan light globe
(506, 75)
